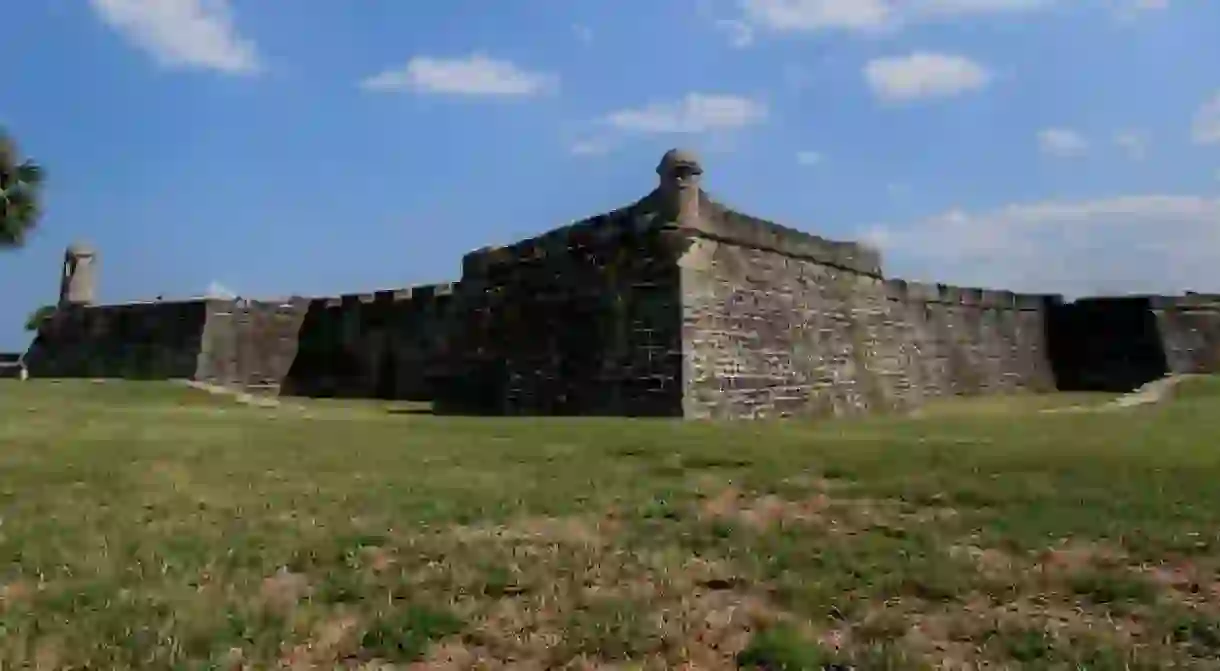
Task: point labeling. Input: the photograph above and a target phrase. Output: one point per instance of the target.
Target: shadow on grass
(410, 411)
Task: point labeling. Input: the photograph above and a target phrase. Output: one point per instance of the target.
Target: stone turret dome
(678, 157)
(79, 248)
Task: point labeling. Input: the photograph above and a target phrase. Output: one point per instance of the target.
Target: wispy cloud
(1134, 143)
(816, 15)
(217, 290)
(693, 113)
(868, 16)
(583, 33)
(1152, 243)
(1206, 126)
(740, 33)
(473, 75)
(924, 75)
(808, 157)
(1062, 142)
(591, 147)
(198, 34)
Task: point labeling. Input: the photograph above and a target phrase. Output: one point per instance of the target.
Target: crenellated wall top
(679, 204)
(919, 292)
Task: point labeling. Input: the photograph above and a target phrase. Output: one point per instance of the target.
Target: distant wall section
(382, 344)
(237, 343)
(1118, 343)
(953, 341)
(154, 340)
(1190, 329)
(249, 344)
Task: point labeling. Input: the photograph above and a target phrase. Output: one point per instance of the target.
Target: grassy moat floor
(150, 526)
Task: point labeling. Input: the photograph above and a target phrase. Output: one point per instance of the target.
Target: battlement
(904, 291)
(423, 293)
(752, 232)
(649, 216)
(673, 305)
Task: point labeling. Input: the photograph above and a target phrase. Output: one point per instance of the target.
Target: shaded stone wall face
(1105, 344)
(377, 345)
(584, 320)
(139, 340)
(249, 344)
(771, 335)
(1190, 329)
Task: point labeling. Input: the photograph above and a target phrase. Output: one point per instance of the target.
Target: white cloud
(897, 189)
(1133, 9)
(868, 15)
(183, 33)
(217, 290)
(809, 157)
(591, 147)
(741, 34)
(952, 8)
(815, 15)
(694, 113)
(1062, 142)
(1128, 244)
(1134, 143)
(924, 75)
(1206, 128)
(474, 75)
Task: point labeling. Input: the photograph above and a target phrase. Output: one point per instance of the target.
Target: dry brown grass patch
(282, 591)
(331, 640)
(831, 514)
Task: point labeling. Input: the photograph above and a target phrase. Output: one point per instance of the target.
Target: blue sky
(320, 147)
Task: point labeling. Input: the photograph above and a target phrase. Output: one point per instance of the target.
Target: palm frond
(20, 182)
(30, 173)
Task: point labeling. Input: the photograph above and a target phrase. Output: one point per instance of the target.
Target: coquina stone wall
(584, 320)
(1190, 330)
(780, 323)
(249, 344)
(384, 344)
(237, 343)
(968, 341)
(149, 340)
(673, 306)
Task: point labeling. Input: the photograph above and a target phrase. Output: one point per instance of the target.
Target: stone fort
(672, 306)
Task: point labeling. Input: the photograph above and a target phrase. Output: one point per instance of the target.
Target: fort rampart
(674, 305)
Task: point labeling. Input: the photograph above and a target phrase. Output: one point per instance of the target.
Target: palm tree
(37, 317)
(20, 184)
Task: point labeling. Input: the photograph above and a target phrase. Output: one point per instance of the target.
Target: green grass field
(149, 526)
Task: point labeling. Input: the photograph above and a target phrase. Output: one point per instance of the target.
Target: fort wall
(382, 344)
(152, 340)
(585, 319)
(796, 325)
(1190, 330)
(673, 306)
(237, 343)
(247, 344)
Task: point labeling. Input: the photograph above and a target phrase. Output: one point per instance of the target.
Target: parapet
(1189, 301)
(728, 225)
(420, 294)
(655, 213)
(903, 291)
